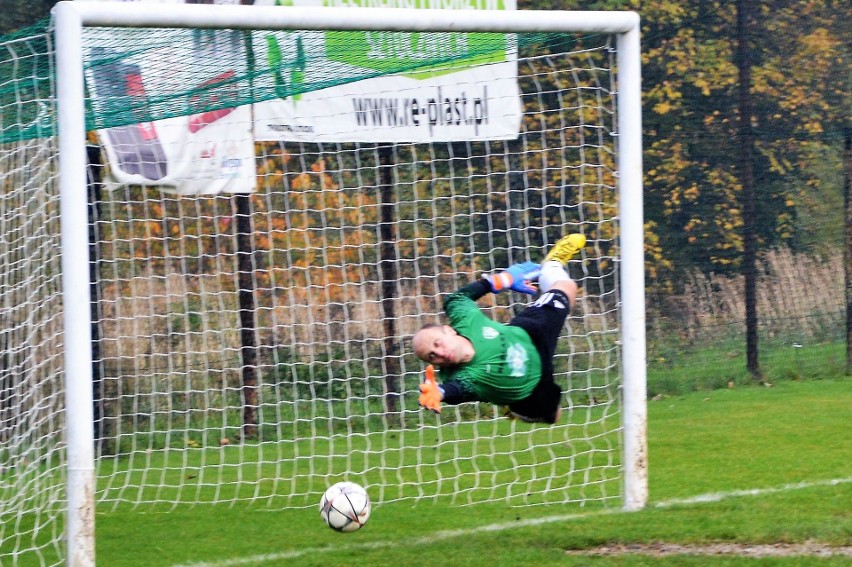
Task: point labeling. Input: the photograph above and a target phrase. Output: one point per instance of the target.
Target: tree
(17, 14)
(690, 115)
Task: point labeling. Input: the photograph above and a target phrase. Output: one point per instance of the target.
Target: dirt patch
(662, 549)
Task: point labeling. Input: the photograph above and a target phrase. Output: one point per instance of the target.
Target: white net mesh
(346, 251)
(31, 392)
(254, 348)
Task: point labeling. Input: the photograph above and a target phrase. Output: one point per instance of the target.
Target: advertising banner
(207, 152)
(464, 86)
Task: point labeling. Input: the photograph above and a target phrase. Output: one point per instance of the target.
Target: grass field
(743, 476)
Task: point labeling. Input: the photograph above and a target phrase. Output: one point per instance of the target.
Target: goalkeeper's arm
(517, 277)
(432, 393)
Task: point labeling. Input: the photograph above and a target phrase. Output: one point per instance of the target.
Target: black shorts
(543, 321)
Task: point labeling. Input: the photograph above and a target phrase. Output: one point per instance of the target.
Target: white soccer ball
(345, 507)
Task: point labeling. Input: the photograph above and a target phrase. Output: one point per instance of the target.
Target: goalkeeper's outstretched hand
(430, 394)
(518, 277)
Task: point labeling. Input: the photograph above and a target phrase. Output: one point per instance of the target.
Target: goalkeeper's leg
(553, 274)
(543, 321)
(566, 248)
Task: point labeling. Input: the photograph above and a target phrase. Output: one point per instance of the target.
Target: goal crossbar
(317, 18)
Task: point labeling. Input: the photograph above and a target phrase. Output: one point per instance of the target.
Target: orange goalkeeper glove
(430, 393)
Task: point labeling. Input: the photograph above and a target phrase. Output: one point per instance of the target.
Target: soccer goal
(222, 225)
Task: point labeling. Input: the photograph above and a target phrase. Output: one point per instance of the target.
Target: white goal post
(70, 20)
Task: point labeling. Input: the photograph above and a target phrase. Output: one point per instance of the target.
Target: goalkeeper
(512, 364)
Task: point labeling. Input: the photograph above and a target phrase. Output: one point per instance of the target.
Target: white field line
(450, 534)
(717, 496)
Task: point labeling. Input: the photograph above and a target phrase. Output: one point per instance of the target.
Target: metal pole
(632, 243)
(131, 14)
(248, 329)
(77, 345)
(388, 274)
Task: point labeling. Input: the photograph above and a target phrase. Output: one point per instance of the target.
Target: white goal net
(250, 332)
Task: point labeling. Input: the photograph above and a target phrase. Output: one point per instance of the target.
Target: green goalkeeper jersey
(506, 366)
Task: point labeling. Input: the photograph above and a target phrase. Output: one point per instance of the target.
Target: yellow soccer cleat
(566, 248)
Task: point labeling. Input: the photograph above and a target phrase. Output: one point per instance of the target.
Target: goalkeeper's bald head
(442, 346)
